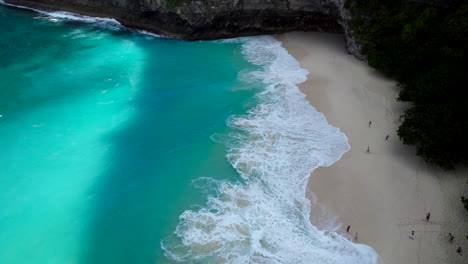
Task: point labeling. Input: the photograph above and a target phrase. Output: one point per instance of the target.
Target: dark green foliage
(176, 3)
(423, 47)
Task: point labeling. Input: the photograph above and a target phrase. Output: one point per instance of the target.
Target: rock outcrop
(213, 19)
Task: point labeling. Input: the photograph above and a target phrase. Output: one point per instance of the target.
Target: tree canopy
(423, 46)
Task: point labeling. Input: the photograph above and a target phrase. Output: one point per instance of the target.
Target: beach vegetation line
(423, 45)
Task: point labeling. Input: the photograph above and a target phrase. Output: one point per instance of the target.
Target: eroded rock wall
(213, 19)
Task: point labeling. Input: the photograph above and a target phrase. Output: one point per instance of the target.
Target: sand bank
(384, 194)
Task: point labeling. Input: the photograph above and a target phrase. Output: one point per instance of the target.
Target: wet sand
(384, 194)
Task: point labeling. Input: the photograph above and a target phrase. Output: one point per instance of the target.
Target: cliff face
(213, 19)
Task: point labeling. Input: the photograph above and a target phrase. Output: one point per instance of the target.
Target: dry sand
(384, 194)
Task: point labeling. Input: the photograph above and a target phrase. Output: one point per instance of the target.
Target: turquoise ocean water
(123, 147)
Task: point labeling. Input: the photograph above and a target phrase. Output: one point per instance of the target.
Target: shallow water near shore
(119, 147)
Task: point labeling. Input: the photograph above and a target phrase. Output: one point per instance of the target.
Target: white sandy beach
(384, 194)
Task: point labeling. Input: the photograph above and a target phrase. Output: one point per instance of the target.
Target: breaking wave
(264, 217)
(108, 23)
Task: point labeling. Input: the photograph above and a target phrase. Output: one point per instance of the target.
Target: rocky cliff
(213, 19)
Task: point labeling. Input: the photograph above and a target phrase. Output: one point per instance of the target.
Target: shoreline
(172, 22)
(384, 194)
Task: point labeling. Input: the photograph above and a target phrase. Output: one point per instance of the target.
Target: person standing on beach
(356, 237)
(347, 229)
(370, 123)
(368, 150)
(411, 236)
(428, 216)
(460, 251)
(386, 138)
(451, 238)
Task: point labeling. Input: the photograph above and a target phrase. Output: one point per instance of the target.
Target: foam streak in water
(108, 23)
(265, 219)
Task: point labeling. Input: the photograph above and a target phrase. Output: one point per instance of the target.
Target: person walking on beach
(411, 236)
(368, 150)
(356, 237)
(451, 238)
(347, 229)
(386, 138)
(428, 216)
(460, 251)
(370, 123)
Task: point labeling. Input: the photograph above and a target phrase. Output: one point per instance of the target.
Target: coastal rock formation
(214, 19)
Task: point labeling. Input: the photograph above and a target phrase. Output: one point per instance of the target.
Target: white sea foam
(149, 34)
(101, 21)
(108, 23)
(265, 217)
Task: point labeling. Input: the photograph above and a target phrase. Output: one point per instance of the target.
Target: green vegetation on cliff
(423, 47)
(176, 3)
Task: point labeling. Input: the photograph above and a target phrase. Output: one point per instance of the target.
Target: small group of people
(356, 236)
(386, 138)
(450, 236)
(412, 236)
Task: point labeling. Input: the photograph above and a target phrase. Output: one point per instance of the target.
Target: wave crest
(108, 23)
(265, 217)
